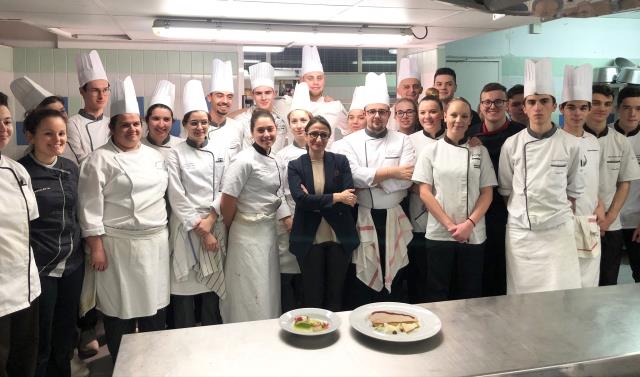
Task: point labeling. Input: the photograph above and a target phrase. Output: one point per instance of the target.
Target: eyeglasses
(498, 103)
(97, 91)
(380, 112)
(321, 135)
(196, 123)
(402, 114)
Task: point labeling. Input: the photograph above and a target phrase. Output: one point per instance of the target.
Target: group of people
(258, 213)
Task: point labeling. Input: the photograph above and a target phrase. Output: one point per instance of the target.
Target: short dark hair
(445, 71)
(318, 119)
(603, 89)
(435, 99)
(492, 86)
(187, 116)
(34, 118)
(156, 106)
(627, 92)
(4, 100)
(260, 113)
(515, 90)
(48, 101)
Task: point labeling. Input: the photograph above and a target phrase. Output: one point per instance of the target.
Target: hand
(463, 231)
(404, 172)
(328, 99)
(636, 235)
(288, 223)
(99, 259)
(475, 142)
(347, 197)
(210, 242)
(304, 189)
(204, 226)
(605, 223)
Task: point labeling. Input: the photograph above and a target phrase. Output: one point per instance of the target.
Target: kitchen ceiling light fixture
(283, 33)
(272, 49)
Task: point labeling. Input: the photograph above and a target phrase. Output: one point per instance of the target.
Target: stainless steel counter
(594, 332)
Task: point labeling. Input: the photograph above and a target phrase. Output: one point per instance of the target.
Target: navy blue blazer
(311, 208)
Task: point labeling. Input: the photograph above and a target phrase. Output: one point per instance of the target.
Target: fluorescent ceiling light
(393, 51)
(274, 49)
(281, 33)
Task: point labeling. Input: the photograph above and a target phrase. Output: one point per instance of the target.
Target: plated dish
(395, 322)
(310, 321)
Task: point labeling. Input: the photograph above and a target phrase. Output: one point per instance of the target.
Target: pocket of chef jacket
(559, 166)
(613, 162)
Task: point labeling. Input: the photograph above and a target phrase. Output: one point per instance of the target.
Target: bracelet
(472, 222)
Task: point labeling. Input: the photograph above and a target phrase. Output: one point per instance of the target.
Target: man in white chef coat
(628, 124)
(541, 177)
(263, 90)
(575, 105)
(89, 129)
(409, 86)
(224, 132)
(618, 167)
(382, 163)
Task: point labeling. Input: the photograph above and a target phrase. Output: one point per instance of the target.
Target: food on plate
(306, 324)
(393, 323)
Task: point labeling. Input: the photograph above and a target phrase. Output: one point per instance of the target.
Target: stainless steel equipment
(629, 76)
(605, 74)
(624, 63)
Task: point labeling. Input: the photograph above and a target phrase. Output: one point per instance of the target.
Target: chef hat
(376, 89)
(408, 69)
(301, 99)
(261, 74)
(537, 77)
(123, 98)
(577, 83)
(311, 60)
(164, 94)
(221, 76)
(89, 67)
(193, 97)
(28, 92)
(358, 100)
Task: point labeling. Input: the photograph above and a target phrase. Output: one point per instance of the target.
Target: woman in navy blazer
(323, 234)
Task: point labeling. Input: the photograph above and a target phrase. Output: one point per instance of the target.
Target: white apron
(587, 233)
(252, 270)
(541, 260)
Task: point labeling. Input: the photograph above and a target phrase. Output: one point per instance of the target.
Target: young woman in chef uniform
(456, 185)
(19, 281)
(197, 233)
(123, 218)
(252, 202)
(159, 119)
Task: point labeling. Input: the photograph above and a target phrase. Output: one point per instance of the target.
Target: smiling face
(127, 130)
(575, 113)
(317, 137)
(315, 81)
(49, 139)
(298, 120)
(629, 112)
(159, 124)
(405, 114)
(430, 116)
(264, 132)
(221, 102)
(493, 105)
(539, 108)
(6, 126)
(197, 126)
(446, 86)
(458, 119)
(356, 120)
(263, 97)
(377, 117)
(409, 88)
(601, 107)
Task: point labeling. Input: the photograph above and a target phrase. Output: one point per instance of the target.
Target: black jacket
(311, 208)
(55, 235)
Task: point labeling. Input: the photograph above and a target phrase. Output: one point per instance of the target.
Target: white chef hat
(221, 76)
(28, 92)
(358, 101)
(262, 74)
(123, 98)
(311, 60)
(538, 78)
(408, 69)
(165, 94)
(376, 89)
(577, 84)
(193, 97)
(89, 67)
(301, 99)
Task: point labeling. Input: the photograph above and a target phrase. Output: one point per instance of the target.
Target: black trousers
(58, 311)
(19, 342)
(633, 250)
(290, 291)
(115, 328)
(454, 270)
(184, 310)
(416, 271)
(324, 272)
(611, 257)
(494, 276)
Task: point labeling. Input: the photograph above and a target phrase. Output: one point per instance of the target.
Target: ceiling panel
(413, 4)
(63, 6)
(391, 15)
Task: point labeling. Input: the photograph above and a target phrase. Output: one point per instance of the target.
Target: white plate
(430, 324)
(287, 319)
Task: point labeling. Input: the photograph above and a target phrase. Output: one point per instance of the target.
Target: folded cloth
(587, 236)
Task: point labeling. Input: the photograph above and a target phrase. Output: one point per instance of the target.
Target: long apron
(288, 261)
(136, 281)
(252, 269)
(587, 233)
(542, 260)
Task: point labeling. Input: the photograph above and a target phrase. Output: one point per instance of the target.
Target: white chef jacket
(367, 154)
(122, 190)
(587, 203)
(537, 174)
(19, 280)
(286, 155)
(618, 163)
(334, 112)
(630, 213)
(255, 179)
(228, 136)
(417, 212)
(166, 147)
(456, 173)
(85, 134)
(244, 119)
